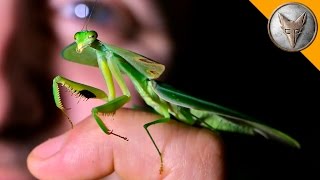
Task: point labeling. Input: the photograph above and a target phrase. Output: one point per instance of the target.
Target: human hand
(85, 152)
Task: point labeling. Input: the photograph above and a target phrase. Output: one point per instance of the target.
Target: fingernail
(49, 148)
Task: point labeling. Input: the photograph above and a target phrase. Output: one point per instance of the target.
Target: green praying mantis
(114, 62)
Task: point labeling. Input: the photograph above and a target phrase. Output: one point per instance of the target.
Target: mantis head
(84, 39)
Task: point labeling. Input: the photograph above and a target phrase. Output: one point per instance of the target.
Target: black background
(226, 56)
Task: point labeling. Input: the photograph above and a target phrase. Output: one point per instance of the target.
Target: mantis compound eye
(75, 37)
(93, 35)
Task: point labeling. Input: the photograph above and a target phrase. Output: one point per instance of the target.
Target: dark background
(226, 56)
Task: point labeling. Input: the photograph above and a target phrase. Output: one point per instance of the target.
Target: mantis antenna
(85, 26)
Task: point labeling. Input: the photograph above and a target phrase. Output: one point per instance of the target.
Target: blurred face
(135, 25)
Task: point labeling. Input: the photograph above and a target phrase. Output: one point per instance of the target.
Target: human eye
(97, 12)
(105, 16)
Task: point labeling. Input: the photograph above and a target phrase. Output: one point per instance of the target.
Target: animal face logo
(292, 28)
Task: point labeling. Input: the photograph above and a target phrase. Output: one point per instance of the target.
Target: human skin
(85, 152)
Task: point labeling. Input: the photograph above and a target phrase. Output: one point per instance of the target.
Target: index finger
(85, 152)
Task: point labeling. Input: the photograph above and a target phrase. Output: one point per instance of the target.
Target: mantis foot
(161, 167)
(122, 137)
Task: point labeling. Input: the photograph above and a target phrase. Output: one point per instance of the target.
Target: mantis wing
(87, 56)
(209, 113)
(179, 98)
(149, 68)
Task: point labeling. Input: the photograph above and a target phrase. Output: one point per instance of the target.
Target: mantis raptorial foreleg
(88, 92)
(79, 89)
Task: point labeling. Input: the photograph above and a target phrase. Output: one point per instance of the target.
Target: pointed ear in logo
(301, 19)
(282, 20)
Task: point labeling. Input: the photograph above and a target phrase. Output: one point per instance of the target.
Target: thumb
(85, 152)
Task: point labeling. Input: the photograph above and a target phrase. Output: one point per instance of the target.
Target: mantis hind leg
(163, 120)
(109, 108)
